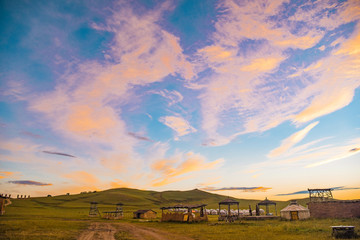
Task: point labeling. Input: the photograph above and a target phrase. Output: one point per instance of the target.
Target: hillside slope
(135, 199)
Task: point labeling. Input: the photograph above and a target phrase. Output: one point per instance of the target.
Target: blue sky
(251, 99)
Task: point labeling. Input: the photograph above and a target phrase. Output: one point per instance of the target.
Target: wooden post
(238, 211)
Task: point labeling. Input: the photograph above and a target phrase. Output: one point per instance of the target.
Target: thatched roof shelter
(228, 202)
(267, 203)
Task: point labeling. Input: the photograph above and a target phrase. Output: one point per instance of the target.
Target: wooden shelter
(320, 194)
(294, 211)
(229, 217)
(267, 203)
(2, 204)
(145, 214)
(117, 214)
(184, 213)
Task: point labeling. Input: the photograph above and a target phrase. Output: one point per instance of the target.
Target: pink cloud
(85, 106)
(241, 92)
(178, 124)
(289, 142)
(175, 169)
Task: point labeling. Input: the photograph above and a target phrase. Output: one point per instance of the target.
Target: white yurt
(295, 211)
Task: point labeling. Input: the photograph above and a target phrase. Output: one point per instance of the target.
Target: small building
(145, 214)
(295, 211)
(184, 213)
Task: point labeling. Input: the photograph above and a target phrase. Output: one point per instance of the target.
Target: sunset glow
(250, 99)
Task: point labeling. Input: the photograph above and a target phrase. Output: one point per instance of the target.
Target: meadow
(66, 217)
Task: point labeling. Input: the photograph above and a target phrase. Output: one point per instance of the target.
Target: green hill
(132, 199)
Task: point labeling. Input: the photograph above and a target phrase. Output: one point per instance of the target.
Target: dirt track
(103, 231)
(106, 231)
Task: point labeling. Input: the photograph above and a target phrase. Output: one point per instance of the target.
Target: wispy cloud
(59, 153)
(140, 137)
(83, 177)
(29, 182)
(30, 134)
(247, 83)
(175, 169)
(340, 156)
(178, 124)
(5, 174)
(86, 106)
(307, 192)
(289, 142)
(172, 96)
(244, 189)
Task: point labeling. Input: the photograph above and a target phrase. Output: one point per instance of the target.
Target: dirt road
(101, 231)
(106, 231)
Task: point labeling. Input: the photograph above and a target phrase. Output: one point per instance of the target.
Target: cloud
(178, 124)
(244, 189)
(82, 177)
(59, 153)
(173, 169)
(86, 106)
(120, 184)
(246, 87)
(293, 193)
(29, 182)
(354, 150)
(340, 156)
(307, 192)
(30, 134)
(5, 174)
(139, 137)
(172, 96)
(289, 142)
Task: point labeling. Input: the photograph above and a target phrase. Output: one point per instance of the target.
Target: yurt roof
(294, 207)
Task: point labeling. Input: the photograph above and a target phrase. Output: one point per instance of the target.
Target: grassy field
(64, 217)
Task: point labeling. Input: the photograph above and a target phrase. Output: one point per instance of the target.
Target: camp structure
(320, 194)
(294, 211)
(4, 201)
(94, 211)
(184, 213)
(145, 214)
(117, 214)
(266, 203)
(228, 216)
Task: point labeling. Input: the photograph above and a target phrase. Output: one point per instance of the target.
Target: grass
(64, 217)
(269, 229)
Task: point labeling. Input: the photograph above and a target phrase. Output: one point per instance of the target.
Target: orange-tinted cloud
(120, 184)
(178, 124)
(82, 177)
(170, 169)
(244, 189)
(287, 143)
(241, 85)
(5, 174)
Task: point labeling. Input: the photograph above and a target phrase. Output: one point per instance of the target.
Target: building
(295, 211)
(335, 209)
(184, 213)
(145, 214)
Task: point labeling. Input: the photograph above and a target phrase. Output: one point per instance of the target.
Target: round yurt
(295, 211)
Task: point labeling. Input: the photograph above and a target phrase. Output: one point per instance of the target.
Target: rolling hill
(137, 199)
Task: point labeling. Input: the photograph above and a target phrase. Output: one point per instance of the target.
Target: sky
(249, 99)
